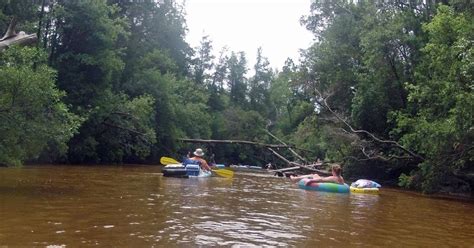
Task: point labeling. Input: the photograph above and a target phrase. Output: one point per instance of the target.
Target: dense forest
(386, 89)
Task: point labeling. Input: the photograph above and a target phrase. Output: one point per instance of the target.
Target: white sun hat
(199, 152)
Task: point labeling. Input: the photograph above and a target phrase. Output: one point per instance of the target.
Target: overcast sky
(245, 25)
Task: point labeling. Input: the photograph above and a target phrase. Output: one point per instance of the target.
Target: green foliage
(290, 106)
(441, 99)
(219, 98)
(88, 53)
(203, 62)
(156, 58)
(239, 124)
(117, 129)
(405, 181)
(332, 63)
(363, 58)
(154, 25)
(259, 85)
(85, 53)
(122, 66)
(389, 43)
(24, 10)
(192, 117)
(280, 95)
(307, 136)
(243, 125)
(236, 80)
(32, 114)
(149, 80)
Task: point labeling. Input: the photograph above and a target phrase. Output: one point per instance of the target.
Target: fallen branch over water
(234, 142)
(298, 166)
(281, 141)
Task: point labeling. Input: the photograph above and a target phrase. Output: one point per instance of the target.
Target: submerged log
(283, 172)
(286, 169)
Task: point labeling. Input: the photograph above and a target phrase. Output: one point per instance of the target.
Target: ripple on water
(93, 206)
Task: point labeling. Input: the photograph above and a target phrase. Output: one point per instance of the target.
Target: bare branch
(299, 165)
(233, 142)
(124, 128)
(323, 102)
(10, 30)
(12, 38)
(291, 150)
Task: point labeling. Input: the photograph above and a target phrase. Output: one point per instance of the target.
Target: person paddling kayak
(198, 154)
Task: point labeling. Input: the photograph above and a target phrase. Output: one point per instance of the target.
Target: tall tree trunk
(40, 21)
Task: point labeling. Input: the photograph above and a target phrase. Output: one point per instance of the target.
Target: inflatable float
(220, 166)
(184, 171)
(365, 186)
(364, 190)
(324, 187)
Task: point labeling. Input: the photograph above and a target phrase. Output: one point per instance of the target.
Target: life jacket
(191, 161)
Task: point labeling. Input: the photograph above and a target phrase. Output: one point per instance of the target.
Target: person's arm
(205, 165)
(330, 179)
(297, 178)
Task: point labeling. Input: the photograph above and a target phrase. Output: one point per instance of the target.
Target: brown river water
(135, 206)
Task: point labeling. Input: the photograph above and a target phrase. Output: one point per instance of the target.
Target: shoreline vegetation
(385, 90)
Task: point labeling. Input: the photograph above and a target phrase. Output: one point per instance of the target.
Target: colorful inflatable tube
(324, 187)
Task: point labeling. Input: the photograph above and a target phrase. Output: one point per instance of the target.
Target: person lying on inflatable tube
(315, 178)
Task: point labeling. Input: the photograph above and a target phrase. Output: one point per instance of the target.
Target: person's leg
(297, 178)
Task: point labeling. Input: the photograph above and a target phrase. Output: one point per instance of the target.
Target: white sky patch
(245, 25)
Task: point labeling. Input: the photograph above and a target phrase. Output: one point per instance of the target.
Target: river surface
(135, 206)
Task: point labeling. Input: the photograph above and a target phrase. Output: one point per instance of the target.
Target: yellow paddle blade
(224, 173)
(166, 160)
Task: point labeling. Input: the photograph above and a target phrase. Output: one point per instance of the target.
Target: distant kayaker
(336, 177)
(198, 154)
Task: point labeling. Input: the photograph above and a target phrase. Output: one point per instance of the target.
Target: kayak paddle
(166, 161)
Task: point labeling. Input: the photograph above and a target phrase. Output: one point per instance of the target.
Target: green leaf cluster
(33, 116)
(441, 101)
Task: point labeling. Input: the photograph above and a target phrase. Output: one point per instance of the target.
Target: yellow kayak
(364, 190)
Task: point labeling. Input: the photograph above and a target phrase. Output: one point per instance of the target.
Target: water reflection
(137, 207)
